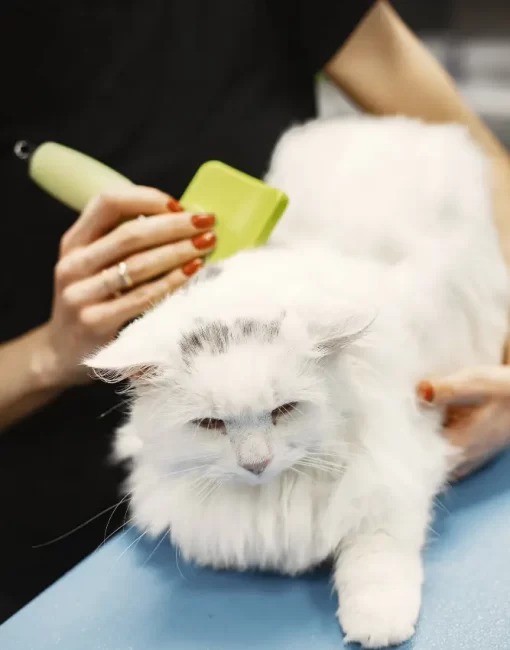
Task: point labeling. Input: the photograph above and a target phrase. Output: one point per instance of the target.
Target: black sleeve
(319, 28)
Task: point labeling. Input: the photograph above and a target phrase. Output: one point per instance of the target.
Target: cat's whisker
(324, 451)
(176, 459)
(77, 528)
(321, 463)
(185, 470)
(177, 553)
(202, 489)
(163, 537)
(336, 457)
(141, 536)
(295, 410)
(213, 488)
(115, 407)
(441, 505)
(333, 458)
(330, 458)
(320, 469)
(432, 530)
(123, 500)
(308, 462)
(119, 528)
(206, 480)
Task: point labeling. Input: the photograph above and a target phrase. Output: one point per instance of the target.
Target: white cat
(275, 423)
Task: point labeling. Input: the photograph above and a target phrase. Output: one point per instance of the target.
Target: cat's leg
(378, 577)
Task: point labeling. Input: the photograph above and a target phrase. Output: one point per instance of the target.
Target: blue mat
(131, 595)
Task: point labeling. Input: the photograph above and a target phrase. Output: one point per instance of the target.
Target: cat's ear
(134, 354)
(331, 338)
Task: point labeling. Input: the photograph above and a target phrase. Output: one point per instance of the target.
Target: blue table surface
(130, 595)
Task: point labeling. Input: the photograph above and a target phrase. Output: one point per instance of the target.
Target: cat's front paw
(378, 616)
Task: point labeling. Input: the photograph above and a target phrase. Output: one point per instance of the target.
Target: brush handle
(71, 177)
(246, 208)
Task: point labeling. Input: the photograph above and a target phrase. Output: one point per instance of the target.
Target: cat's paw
(378, 616)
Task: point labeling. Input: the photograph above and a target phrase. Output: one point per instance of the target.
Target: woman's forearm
(501, 194)
(25, 386)
(386, 70)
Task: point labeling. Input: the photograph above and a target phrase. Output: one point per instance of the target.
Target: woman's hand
(113, 264)
(477, 418)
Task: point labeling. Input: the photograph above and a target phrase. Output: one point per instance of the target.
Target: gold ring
(124, 277)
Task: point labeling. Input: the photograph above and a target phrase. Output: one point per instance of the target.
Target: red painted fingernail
(426, 391)
(203, 220)
(205, 240)
(192, 267)
(173, 205)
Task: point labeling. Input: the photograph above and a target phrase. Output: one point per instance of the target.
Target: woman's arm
(112, 267)
(385, 69)
(26, 383)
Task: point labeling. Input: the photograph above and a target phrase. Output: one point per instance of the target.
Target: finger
(105, 211)
(483, 431)
(136, 236)
(472, 465)
(137, 269)
(112, 315)
(459, 415)
(467, 386)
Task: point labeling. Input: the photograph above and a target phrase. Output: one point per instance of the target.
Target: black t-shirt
(153, 89)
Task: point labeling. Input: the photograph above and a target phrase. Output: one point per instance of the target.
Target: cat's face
(252, 396)
(243, 399)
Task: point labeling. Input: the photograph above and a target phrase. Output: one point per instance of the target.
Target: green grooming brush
(246, 208)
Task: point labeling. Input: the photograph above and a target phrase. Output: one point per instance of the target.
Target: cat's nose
(256, 468)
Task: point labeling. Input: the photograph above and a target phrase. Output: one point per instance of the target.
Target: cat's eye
(210, 424)
(281, 411)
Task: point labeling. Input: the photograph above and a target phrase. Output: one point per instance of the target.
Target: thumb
(467, 386)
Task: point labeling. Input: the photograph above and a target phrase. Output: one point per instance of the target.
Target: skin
(385, 70)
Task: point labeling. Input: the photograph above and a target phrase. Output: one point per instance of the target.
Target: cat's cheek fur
(128, 445)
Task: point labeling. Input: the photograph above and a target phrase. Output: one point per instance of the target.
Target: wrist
(46, 373)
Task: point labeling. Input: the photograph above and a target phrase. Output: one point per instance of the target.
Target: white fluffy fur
(385, 268)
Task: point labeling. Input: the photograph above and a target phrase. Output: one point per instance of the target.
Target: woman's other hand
(113, 264)
(477, 413)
